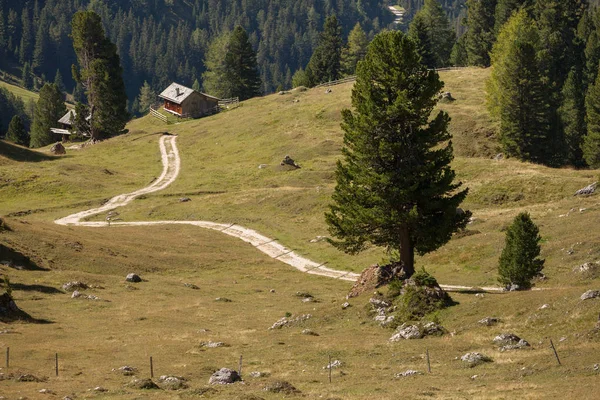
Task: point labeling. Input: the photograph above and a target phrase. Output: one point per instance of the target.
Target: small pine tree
(16, 132)
(519, 261)
(196, 85)
(27, 76)
(420, 33)
(58, 81)
(324, 64)
(300, 78)
(146, 98)
(49, 109)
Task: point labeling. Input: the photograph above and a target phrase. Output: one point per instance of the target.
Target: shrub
(519, 262)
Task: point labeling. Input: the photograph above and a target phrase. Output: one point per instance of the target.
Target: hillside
(220, 174)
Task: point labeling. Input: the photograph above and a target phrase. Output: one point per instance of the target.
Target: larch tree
(395, 187)
(146, 98)
(49, 109)
(325, 62)
(213, 79)
(354, 51)
(516, 94)
(100, 74)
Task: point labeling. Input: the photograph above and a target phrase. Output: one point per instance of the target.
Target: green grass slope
(18, 91)
(162, 318)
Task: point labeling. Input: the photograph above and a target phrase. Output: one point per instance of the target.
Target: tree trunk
(407, 252)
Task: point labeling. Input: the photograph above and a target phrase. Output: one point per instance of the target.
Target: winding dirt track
(171, 167)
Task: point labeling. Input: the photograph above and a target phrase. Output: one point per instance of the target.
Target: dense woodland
(160, 41)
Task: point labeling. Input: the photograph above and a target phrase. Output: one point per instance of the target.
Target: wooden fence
(158, 115)
(338, 82)
(227, 104)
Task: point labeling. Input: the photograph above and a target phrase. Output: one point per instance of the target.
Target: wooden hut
(188, 103)
(65, 125)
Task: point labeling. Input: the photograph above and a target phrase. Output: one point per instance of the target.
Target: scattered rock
(133, 278)
(46, 391)
(318, 239)
(596, 367)
(191, 286)
(169, 382)
(296, 101)
(480, 295)
(224, 376)
(223, 299)
(346, 305)
(589, 189)
(384, 320)
(506, 338)
(446, 97)
(562, 339)
(282, 92)
(521, 344)
(100, 389)
(544, 306)
(499, 157)
(184, 199)
(289, 322)
(488, 321)
(475, 358)
(300, 89)
(212, 345)
(378, 303)
(333, 364)
(272, 291)
(328, 90)
(258, 374)
(588, 269)
(410, 372)
(406, 331)
(433, 329)
(29, 378)
(309, 332)
(71, 286)
(126, 370)
(590, 294)
(145, 384)
(76, 294)
(281, 387)
(309, 300)
(262, 166)
(513, 287)
(58, 149)
(376, 276)
(287, 160)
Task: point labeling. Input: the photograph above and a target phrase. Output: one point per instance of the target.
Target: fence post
(240, 369)
(7, 356)
(555, 353)
(56, 363)
(329, 366)
(428, 363)
(151, 368)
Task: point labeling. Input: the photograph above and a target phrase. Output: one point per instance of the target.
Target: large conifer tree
(516, 94)
(16, 132)
(431, 21)
(240, 66)
(355, 50)
(591, 143)
(101, 75)
(324, 65)
(480, 35)
(395, 187)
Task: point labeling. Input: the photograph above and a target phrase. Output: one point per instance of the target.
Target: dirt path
(171, 167)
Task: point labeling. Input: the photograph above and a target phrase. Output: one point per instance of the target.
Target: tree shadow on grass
(17, 260)
(22, 154)
(9, 312)
(36, 288)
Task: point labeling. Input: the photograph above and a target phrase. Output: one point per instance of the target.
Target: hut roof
(177, 93)
(66, 119)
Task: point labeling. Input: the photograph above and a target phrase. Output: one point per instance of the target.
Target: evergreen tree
(519, 261)
(300, 78)
(441, 35)
(49, 109)
(506, 8)
(240, 66)
(16, 132)
(58, 81)
(591, 142)
(459, 56)
(196, 86)
(395, 187)
(146, 98)
(41, 46)
(324, 65)
(420, 33)
(516, 93)
(27, 76)
(101, 75)
(572, 114)
(79, 94)
(26, 44)
(79, 121)
(354, 51)
(480, 35)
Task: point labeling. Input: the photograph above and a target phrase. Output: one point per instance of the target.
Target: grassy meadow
(220, 173)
